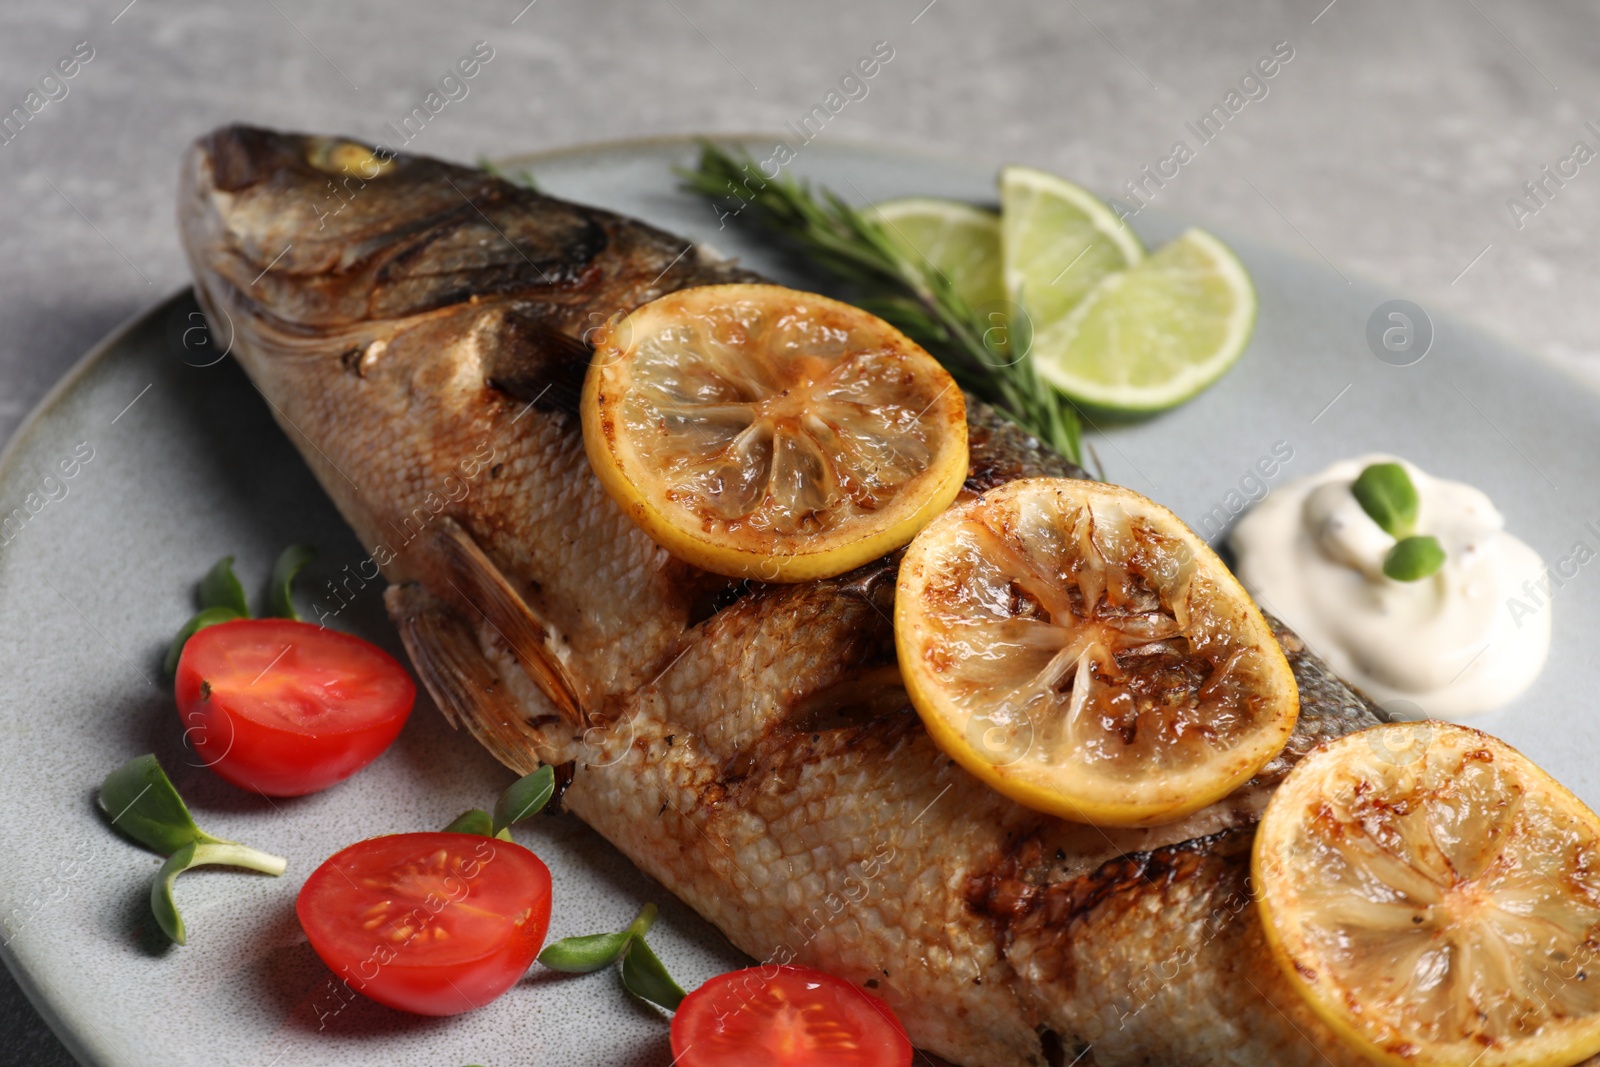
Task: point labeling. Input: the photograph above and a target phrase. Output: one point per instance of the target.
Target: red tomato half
(433, 923)
(786, 1017)
(285, 708)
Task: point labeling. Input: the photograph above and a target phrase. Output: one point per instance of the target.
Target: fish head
(309, 236)
(389, 309)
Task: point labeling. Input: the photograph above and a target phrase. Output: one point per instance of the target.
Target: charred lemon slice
(1074, 645)
(1436, 899)
(760, 432)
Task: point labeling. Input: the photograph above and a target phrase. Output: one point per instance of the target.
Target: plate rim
(42, 1001)
(75, 374)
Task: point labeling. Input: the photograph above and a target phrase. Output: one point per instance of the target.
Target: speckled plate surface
(176, 462)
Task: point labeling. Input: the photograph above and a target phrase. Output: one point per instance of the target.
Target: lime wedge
(960, 241)
(1153, 336)
(1058, 240)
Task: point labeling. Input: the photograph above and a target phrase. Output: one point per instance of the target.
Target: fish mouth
(254, 200)
(247, 198)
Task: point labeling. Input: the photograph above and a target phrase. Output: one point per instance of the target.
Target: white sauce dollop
(1448, 644)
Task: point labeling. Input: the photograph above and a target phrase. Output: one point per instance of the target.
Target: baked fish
(748, 746)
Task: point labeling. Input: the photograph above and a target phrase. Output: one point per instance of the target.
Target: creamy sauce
(1441, 647)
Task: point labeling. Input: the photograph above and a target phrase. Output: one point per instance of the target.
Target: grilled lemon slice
(1436, 899)
(1077, 647)
(760, 432)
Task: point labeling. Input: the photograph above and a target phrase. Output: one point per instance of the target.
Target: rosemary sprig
(987, 354)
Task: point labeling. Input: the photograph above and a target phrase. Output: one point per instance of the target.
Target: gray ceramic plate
(187, 466)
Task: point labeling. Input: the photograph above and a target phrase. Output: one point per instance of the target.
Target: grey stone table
(1395, 140)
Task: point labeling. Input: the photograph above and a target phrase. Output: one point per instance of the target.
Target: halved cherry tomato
(783, 1016)
(286, 708)
(433, 923)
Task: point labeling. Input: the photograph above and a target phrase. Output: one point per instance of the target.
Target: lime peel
(1156, 335)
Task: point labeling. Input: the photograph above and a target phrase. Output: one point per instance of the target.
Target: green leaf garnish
(909, 293)
(1414, 558)
(221, 600)
(525, 797)
(141, 801)
(475, 821)
(1386, 494)
(596, 952)
(585, 955)
(280, 599)
(201, 855)
(196, 623)
(645, 976)
(221, 589)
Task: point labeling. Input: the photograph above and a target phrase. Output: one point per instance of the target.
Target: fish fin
(469, 691)
(479, 583)
(531, 361)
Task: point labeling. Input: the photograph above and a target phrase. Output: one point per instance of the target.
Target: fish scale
(739, 742)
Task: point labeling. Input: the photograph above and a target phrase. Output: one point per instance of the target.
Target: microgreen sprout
(525, 797)
(291, 561)
(220, 589)
(1414, 558)
(522, 799)
(596, 952)
(222, 597)
(476, 821)
(1386, 494)
(142, 802)
(643, 973)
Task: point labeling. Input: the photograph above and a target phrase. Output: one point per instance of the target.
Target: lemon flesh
(1435, 897)
(1078, 648)
(761, 432)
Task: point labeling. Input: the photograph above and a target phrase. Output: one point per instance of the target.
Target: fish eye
(348, 157)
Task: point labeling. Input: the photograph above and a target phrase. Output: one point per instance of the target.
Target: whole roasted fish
(748, 746)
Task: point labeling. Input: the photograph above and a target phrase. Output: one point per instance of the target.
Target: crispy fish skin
(746, 745)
